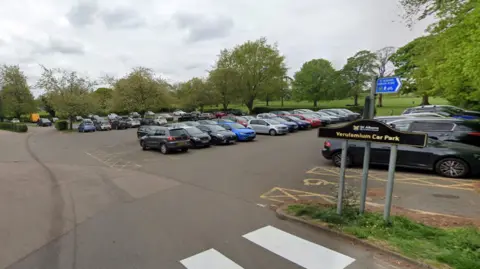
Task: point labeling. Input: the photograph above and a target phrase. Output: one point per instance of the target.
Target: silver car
(266, 116)
(267, 126)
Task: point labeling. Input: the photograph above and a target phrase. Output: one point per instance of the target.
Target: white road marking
(297, 250)
(261, 205)
(209, 259)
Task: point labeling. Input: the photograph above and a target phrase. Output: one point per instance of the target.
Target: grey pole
(391, 178)
(368, 145)
(341, 183)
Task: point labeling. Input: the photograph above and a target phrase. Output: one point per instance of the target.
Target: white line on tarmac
(209, 259)
(297, 250)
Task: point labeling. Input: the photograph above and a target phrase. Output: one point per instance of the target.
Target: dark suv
(463, 131)
(165, 139)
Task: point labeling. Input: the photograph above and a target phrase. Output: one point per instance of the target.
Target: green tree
(16, 96)
(224, 79)
(104, 98)
(257, 64)
(68, 92)
(196, 93)
(141, 91)
(360, 70)
(314, 81)
(46, 103)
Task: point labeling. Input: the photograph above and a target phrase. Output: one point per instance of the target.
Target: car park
(292, 126)
(102, 125)
(197, 137)
(44, 122)
(323, 121)
(218, 134)
(179, 112)
(280, 113)
(302, 125)
(132, 123)
(206, 116)
(450, 129)
(242, 133)
(86, 126)
(191, 123)
(268, 126)
(448, 159)
(166, 139)
(238, 119)
(314, 122)
(223, 121)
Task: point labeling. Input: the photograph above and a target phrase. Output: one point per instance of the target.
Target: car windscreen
(193, 131)
(280, 120)
(236, 126)
(216, 128)
(331, 113)
(43, 120)
(271, 121)
(178, 132)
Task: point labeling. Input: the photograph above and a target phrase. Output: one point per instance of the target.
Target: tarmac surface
(96, 200)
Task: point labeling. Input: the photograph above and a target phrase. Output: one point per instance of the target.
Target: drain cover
(448, 196)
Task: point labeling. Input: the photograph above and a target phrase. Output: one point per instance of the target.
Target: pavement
(96, 200)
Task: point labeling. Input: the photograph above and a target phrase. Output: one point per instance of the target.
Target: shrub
(61, 125)
(14, 127)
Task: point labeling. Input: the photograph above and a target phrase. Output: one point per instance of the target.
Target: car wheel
(184, 149)
(142, 144)
(452, 167)
(163, 149)
(272, 132)
(337, 159)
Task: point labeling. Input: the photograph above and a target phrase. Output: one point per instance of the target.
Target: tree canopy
(15, 94)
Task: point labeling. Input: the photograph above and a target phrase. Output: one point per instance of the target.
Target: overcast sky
(182, 38)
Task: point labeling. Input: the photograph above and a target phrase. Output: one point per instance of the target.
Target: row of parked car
(231, 128)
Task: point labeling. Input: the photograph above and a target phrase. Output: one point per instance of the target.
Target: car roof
(436, 119)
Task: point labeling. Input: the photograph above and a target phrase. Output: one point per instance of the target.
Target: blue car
(302, 125)
(242, 133)
(86, 126)
(292, 126)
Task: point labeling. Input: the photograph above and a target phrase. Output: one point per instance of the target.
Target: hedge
(14, 127)
(61, 125)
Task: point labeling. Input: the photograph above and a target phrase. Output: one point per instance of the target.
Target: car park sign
(388, 85)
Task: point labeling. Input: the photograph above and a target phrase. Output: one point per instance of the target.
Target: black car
(218, 134)
(44, 123)
(451, 111)
(447, 129)
(119, 124)
(236, 112)
(147, 121)
(342, 113)
(197, 137)
(166, 139)
(187, 117)
(448, 159)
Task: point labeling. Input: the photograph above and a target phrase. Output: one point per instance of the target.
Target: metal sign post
(368, 145)
(341, 183)
(391, 178)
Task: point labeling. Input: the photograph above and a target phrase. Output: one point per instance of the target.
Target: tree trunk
(380, 100)
(267, 100)
(281, 101)
(355, 100)
(71, 123)
(201, 108)
(425, 101)
(315, 103)
(225, 106)
(249, 105)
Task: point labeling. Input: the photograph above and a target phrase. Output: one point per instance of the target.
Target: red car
(313, 121)
(238, 119)
(220, 114)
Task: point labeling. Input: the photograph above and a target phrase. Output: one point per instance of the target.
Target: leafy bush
(14, 127)
(61, 125)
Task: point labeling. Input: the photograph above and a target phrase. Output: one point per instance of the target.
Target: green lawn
(456, 247)
(392, 104)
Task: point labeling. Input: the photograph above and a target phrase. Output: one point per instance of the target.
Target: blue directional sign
(388, 85)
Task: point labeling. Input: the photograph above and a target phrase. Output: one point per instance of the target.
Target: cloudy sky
(180, 39)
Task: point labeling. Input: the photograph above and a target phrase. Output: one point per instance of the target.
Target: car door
(155, 138)
(255, 125)
(440, 130)
(263, 126)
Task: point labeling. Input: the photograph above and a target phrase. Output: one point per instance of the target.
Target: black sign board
(373, 131)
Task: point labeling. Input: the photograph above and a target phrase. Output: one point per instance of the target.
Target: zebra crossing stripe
(297, 250)
(209, 259)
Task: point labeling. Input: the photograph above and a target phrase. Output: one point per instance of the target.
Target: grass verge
(457, 248)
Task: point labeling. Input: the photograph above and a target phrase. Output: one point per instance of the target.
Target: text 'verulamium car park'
(376, 132)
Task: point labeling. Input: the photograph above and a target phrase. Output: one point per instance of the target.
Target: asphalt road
(96, 200)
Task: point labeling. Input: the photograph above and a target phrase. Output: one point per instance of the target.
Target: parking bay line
(209, 259)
